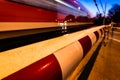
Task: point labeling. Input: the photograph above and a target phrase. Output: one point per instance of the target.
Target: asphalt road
(107, 64)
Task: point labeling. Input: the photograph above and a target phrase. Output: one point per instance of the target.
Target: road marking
(115, 39)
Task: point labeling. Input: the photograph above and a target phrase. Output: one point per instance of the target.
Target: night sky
(90, 5)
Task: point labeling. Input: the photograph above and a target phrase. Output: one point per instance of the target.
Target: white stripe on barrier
(69, 57)
(93, 38)
(99, 32)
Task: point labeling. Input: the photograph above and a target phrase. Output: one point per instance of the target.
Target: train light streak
(59, 1)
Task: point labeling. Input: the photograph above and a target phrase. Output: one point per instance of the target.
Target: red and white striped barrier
(59, 64)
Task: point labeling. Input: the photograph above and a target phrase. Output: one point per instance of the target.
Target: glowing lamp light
(79, 8)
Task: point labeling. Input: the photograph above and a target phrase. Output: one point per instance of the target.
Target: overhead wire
(96, 6)
(105, 11)
(105, 5)
(102, 6)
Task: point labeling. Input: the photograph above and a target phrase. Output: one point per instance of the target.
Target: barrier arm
(52, 59)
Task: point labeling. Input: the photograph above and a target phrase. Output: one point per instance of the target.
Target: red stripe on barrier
(86, 44)
(47, 68)
(97, 35)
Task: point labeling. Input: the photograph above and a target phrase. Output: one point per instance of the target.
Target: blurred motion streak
(40, 10)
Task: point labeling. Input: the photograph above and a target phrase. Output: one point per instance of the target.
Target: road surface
(107, 64)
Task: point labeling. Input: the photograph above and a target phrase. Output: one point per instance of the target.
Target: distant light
(65, 23)
(79, 8)
(61, 24)
(74, 1)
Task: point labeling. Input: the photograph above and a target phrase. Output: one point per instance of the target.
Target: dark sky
(90, 5)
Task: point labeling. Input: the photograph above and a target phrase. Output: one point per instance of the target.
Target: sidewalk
(107, 64)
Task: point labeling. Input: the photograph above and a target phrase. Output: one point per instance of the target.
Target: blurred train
(17, 16)
(43, 11)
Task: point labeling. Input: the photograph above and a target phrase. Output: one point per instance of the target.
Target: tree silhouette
(70, 18)
(114, 13)
(98, 20)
